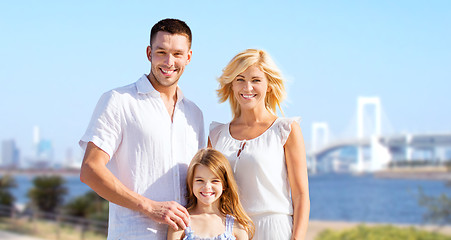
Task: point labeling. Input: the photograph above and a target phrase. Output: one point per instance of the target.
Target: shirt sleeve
(214, 131)
(104, 129)
(285, 127)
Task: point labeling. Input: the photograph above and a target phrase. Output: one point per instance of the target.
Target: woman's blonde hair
(239, 64)
(229, 202)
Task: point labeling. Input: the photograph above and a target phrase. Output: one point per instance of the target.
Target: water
(369, 199)
(74, 187)
(332, 197)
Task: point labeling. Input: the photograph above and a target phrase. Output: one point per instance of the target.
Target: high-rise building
(10, 154)
(43, 151)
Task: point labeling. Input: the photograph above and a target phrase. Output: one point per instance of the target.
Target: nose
(208, 185)
(248, 86)
(169, 60)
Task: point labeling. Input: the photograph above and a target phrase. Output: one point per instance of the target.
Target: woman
(266, 152)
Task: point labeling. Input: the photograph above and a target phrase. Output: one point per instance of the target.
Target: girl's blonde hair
(229, 202)
(239, 64)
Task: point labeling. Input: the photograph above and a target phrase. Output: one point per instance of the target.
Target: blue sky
(58, 57)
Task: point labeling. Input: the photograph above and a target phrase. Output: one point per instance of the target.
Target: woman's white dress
(261, 174)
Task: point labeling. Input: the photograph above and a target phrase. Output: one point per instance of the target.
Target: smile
(248, 96)
(207, 194)
(167, 72)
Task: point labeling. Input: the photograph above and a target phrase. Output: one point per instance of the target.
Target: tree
(90, 205)
(47, 193)
(6, 183)
(438, 208)
(6, 198)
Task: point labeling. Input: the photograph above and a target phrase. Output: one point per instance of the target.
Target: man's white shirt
(148, 152)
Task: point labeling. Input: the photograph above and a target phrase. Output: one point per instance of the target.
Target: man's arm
(96, 175)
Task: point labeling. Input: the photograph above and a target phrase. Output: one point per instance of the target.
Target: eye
(240, 80)
(216, 181)
(199, 180)
(256, 80)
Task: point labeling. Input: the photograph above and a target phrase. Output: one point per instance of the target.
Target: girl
(266, 151)
(213, 203)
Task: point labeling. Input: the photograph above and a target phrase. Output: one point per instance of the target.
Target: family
(146, 152)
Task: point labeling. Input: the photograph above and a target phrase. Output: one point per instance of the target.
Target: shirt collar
(180, 95)
(144, 86)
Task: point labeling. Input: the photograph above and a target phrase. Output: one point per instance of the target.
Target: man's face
(169, 55)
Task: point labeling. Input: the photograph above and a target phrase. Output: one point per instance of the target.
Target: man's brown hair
(172, 26)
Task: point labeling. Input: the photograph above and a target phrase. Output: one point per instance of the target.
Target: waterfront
(333, 197)
(24, 182)
(369, 199)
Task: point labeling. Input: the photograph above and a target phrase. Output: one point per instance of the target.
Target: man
(141, 139)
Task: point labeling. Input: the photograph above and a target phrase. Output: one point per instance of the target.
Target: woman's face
(250, 88)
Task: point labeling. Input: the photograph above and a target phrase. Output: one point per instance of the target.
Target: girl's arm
(175, 235)
(297, 175)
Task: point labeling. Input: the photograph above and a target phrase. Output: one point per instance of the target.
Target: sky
(58, 57)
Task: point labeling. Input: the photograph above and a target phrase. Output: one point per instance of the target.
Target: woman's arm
(297, 175)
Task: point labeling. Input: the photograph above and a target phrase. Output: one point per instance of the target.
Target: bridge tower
(380, 155)
(320, 138)
(362, 103)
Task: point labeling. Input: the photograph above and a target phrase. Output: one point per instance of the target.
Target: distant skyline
(57, 58)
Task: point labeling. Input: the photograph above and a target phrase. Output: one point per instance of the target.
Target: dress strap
(189, 234)
(229, 223)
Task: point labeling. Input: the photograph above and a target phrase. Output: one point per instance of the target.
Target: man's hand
(170, 213)
(95, 174)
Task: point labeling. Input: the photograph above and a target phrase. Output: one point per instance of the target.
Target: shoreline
(420, 173)
(423, 173)
(39, 172)
(315, 227)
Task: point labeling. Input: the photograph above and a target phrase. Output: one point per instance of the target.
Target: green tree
(89, 205)
(47, 193)
(6, 183)
(438, 208)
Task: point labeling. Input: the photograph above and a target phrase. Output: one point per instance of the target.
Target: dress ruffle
(227, 235)
(285, 127)
(215, 131)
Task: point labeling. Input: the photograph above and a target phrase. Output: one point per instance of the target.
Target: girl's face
(250, 88)
(207, 187)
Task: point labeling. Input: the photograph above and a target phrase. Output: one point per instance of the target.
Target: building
(10, 154)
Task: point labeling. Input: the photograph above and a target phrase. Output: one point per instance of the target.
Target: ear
(190, 54)
(269, 89)
(149, 53)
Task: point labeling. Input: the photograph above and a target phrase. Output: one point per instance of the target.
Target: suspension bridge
(370, 148)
